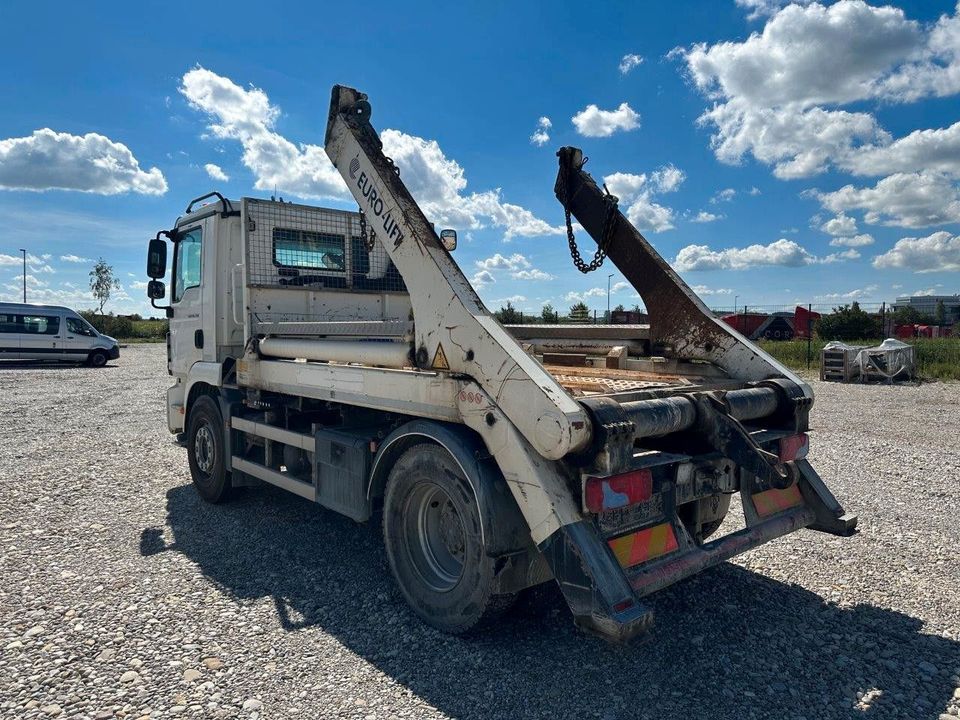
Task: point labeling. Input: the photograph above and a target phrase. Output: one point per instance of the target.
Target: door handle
(69, 337)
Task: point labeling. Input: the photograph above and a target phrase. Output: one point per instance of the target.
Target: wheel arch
(503, 528)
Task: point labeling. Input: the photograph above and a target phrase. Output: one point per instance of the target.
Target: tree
(508, 315)
(940, 313)
(579, 312)
(548, 314)
(619, 308)
(103, 282)
(848, 322)
(911, 316)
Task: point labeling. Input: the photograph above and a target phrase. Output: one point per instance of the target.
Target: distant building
(927, 304)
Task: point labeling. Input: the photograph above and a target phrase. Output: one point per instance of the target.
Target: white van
(50, 332)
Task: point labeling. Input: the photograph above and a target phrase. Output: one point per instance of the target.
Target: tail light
(794, 447)
(610, 493)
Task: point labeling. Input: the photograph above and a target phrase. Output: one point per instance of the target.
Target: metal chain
(609, 224)
(368, 240)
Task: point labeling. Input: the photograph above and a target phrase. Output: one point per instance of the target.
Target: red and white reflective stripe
(794, 447)
(618, 491)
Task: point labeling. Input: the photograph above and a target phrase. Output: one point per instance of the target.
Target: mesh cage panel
(297, 246)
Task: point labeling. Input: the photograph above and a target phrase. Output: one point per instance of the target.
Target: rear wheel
(97, 359)
(207, 452)
(434, 543)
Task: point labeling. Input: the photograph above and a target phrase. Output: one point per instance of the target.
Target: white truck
(344, 357)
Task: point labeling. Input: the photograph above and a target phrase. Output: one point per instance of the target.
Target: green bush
(127, 327)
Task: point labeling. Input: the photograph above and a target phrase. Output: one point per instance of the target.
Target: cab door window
(187, 263)
(79, 327)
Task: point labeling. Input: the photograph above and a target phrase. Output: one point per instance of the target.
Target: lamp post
(24, 274)
(608, 295)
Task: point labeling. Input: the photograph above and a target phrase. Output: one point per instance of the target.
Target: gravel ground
(123, 595)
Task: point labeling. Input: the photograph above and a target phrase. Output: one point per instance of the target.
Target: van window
(80, 327)
(304, 249)
(187, 263)
(9, 323)
(40, 324)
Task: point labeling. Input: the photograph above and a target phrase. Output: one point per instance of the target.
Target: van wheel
(205, 448)
(432, 533)
(97, 359)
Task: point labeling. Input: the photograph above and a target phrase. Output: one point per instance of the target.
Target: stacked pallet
(839, 363)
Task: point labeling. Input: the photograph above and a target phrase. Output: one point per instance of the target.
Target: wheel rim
(435, 537)
(204, 450)
(99, 359)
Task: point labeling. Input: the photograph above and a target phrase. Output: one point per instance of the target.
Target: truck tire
(712, 511)
(97, 359)
(206, 451)
(432, 533)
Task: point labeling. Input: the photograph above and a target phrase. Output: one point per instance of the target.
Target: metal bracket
(727, 436)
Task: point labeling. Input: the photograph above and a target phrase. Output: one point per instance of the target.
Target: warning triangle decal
(440, 359)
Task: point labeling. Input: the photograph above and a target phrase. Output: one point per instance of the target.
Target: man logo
(354, 167)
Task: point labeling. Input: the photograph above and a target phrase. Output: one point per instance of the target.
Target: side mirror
(157, 259)
(156, 289)
(448, 238)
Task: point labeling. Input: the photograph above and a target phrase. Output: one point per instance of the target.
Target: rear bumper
(655, 576)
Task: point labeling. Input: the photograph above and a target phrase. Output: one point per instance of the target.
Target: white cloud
(841, 225)
(435, 181)
(512, 299)
(248, 117)
(594, 122)
(781, 252)
(929, 291)
(139, 285)
(216, 172)
(667, 179)
(856, 294)
(903, 199)
(761, 8)
(854, 241)
(754, 191)
(706, 217)
(937, 252)
(725, 195)
(74, 259)
(851, 254)
(776, 94)
(48, 160)
(482, 278)
(541, 134)
(532, 274)
(637, 191)
(704, 290)
(43, 268)
(499, 262)
(17, 260)
(629, 62)
(934, 150)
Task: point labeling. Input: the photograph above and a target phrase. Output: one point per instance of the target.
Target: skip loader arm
(454, 333)
(681, 326)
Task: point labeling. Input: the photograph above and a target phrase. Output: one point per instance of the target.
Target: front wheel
(97, 359)
(207, 452)
(434, 543)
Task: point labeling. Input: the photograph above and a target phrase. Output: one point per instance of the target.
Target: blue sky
(772, 152)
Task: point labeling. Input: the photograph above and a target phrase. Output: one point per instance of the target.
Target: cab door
(79, 338)
(186, 300)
